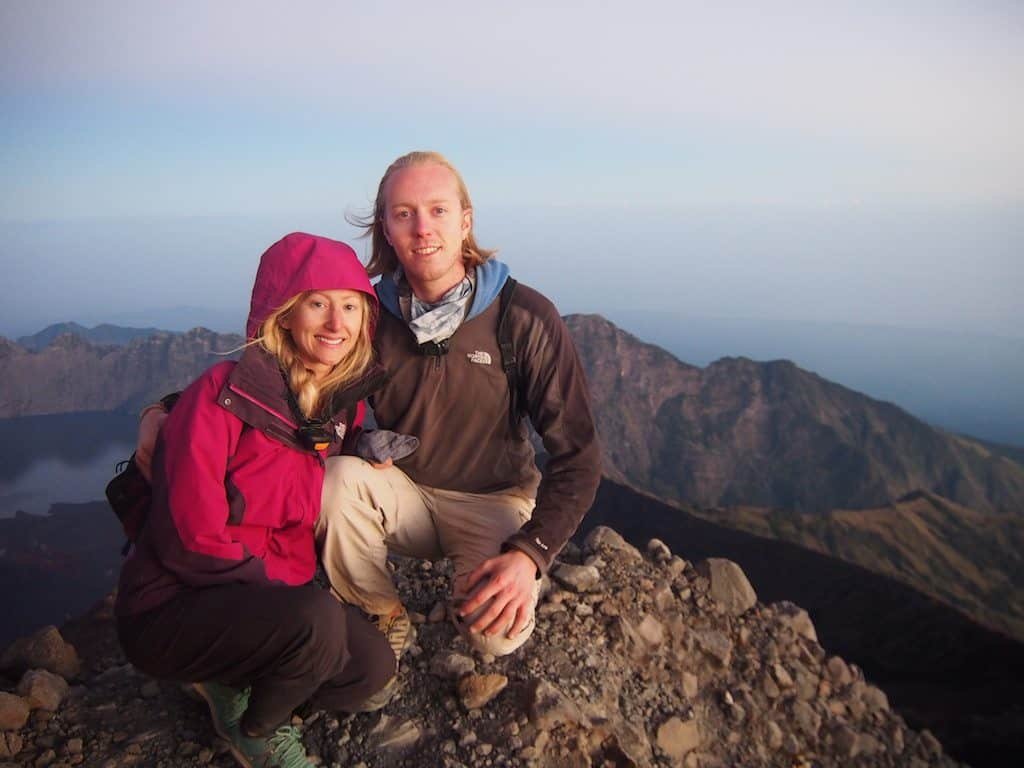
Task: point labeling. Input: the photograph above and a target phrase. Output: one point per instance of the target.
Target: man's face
(425, 223)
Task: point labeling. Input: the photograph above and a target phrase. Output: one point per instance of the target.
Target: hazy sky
(813, 160)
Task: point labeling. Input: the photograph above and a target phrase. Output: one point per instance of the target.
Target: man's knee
(348, 474)
(352, 496)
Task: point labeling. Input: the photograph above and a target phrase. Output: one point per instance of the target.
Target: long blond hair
(313, 397)
(383, 259)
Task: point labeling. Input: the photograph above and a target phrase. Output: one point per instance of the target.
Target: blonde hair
(314, 397)
(383, 259)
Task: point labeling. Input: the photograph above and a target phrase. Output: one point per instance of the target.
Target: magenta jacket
(235, 495)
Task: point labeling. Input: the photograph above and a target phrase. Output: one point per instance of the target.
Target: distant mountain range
(72, 374)
(736, 432)
(101, 334)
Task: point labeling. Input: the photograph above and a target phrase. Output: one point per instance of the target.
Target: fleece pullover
(458, 405)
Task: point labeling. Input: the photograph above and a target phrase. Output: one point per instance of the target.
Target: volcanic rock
(45, 649)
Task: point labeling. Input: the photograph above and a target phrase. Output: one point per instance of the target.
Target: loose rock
(605, 539)
(13, 712)
(437, 613)
(549, 707)
(394, 735)
(658, 551)
(475, 691)
(45, 649)
(676, 738)
(42, 689)
(578, 578)
(797, 619)
(451, 665)
(729, 586)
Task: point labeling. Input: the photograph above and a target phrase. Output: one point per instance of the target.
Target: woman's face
(324, 326)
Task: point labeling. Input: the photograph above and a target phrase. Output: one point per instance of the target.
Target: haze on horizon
(849, 163)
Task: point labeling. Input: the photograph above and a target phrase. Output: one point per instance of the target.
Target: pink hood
(298, 263)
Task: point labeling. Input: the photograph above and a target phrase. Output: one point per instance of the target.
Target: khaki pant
(367, 512)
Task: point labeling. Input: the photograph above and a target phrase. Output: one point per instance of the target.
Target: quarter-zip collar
(257, 393)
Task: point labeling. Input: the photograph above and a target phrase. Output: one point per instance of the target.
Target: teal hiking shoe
(281, 749)
(227, 705)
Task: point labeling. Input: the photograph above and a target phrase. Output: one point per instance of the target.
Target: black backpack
(129, 492)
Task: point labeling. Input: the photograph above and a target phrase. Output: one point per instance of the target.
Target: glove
(379, 445)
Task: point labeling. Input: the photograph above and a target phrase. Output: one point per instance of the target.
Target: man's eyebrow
(434, 201)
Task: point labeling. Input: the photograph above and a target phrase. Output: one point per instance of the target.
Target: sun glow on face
(425, 223)
(324, 326)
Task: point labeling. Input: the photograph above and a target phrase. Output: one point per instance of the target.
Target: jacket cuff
(527, 546)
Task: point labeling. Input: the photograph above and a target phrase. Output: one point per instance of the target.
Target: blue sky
(851, 162)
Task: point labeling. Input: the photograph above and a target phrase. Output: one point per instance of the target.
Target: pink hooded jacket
(235, 494)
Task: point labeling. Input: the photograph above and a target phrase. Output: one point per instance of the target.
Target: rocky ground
(639, 659)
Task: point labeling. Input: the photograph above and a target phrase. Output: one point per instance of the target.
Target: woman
(217, 589)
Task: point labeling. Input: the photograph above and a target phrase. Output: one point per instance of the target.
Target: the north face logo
(479, 356)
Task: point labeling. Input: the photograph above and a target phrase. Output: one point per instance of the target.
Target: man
(471, 490)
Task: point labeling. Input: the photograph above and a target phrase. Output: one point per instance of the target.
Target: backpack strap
(509, 363)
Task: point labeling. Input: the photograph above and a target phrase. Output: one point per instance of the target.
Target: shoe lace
(286, 748)
(387, 623)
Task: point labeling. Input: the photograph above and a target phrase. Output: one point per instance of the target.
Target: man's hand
(153, 418)
(509, 578)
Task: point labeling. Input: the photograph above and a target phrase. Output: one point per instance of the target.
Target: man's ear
(467, 222)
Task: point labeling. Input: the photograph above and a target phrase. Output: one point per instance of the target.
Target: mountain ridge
(970, 560)
(73, 375)
(104, 334)
(771, 434)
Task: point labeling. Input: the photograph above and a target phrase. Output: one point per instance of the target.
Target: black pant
(291, 644)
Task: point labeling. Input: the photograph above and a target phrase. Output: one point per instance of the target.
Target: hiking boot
(227, 705)
(281, 749)
(396, 628)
